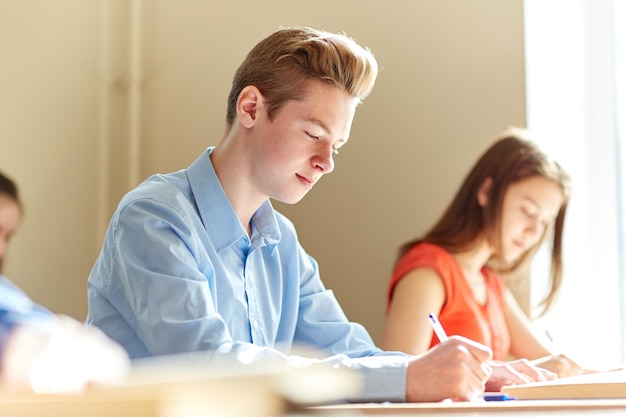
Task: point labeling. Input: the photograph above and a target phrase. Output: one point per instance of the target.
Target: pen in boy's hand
(437, 327)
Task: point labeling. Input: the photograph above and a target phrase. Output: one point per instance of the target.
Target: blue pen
(498, 397)
(437, 327)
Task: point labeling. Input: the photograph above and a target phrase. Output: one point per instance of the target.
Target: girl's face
(530, 206)
(9, 220)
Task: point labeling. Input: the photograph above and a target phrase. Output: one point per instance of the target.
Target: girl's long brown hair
(510, 159)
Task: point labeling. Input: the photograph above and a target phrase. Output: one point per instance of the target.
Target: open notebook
(606, 384)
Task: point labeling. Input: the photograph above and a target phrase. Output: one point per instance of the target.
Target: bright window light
(572, 101)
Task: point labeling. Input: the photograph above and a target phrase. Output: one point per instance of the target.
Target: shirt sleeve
(323, 324)
(17, 309)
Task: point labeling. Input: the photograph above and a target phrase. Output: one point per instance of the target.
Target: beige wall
(452, 78)
(48, 132)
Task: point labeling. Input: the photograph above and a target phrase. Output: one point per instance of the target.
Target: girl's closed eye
(528, 212)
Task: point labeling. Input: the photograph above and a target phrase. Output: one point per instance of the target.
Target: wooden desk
(551, 408)
(200, 402)
(172, 390)
(197, 399)
(597, 394)
(176, 392)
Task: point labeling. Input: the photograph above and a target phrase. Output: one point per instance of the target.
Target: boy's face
(295, 149)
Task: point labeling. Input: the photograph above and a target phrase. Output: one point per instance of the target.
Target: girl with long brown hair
(513, 199)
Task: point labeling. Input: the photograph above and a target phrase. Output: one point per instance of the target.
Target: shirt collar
(217, 214)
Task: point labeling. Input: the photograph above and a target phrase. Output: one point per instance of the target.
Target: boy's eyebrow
(318, 122)
(324, 127)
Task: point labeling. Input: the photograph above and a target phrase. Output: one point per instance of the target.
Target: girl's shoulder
(428, 250)
(429, 255)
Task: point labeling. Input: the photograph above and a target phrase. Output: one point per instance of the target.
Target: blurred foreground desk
(173, 390)
(172, 400)
(551, 408)
(246, 405)
(181, 389)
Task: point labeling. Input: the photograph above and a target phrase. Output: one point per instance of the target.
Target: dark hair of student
(510, 159)
(9, 189)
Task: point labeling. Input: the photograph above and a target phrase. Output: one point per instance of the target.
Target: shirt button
(255, 324)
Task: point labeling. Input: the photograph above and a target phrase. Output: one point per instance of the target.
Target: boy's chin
(291, 199)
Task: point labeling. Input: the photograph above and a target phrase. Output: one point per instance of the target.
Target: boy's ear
(484, 192)
(248, 105)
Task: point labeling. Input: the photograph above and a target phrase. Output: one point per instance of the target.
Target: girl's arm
(525, 344)
(417, 294)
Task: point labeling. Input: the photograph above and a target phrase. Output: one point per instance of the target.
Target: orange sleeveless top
(461, 314)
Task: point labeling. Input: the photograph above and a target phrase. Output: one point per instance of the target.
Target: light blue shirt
(17, 309)
(178, 273)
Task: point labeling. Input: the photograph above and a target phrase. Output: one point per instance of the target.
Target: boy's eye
(335, 149)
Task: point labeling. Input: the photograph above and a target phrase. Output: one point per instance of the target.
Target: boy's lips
(309, 183)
